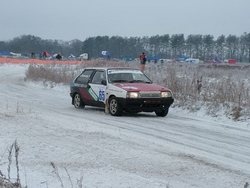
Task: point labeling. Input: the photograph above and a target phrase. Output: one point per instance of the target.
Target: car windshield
(127, 77)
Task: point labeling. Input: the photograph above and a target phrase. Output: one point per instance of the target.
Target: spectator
(59, 57)
(143, 60)
(33, 55)
(44, 55)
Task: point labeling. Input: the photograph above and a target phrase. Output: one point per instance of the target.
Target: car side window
(98, 77)
(84, 77)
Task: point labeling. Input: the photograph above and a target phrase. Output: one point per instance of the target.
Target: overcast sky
(79, 19)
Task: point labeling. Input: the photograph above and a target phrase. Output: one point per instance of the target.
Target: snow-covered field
(181, 150)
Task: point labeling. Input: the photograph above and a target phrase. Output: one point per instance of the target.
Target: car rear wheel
(77, 101)
(162, 113)
(115, 108)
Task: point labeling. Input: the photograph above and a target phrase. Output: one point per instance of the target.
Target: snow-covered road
(137, 151)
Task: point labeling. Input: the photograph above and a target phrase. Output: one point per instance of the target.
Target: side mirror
(104, 82)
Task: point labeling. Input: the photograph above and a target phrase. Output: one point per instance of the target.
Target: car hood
(140, 87)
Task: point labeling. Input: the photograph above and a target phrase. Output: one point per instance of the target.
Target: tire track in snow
(212, 145)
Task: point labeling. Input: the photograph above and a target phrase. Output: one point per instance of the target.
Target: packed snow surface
(181, 150)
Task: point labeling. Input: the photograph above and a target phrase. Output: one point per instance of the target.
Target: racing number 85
(101, 95)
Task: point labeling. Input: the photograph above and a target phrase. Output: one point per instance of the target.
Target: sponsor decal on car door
(97, 92)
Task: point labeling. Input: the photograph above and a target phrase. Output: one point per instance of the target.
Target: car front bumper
(145, 104)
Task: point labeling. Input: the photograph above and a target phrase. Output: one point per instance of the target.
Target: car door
(98, 87)
(82, 87)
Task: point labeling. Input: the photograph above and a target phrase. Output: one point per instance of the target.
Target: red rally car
(118, 90)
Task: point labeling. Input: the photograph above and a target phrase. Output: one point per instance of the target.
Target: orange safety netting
(37, 61)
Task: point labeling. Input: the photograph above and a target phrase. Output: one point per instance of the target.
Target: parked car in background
(83, 57)
(192, 60)
(118, 90)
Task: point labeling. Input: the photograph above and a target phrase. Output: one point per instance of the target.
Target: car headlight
(166, 94)
(133, 95)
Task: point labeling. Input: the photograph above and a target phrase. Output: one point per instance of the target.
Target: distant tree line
(204, 47)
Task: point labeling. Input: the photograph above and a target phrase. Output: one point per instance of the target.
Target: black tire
(162, 113)
(115, 108)
(77, 101)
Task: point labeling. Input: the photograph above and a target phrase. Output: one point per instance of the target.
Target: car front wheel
(162, 113)
(77, 101)
(115, 108)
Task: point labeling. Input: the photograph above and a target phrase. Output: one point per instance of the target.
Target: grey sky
(80, 19)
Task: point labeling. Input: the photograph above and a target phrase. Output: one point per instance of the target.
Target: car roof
(112, 68)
